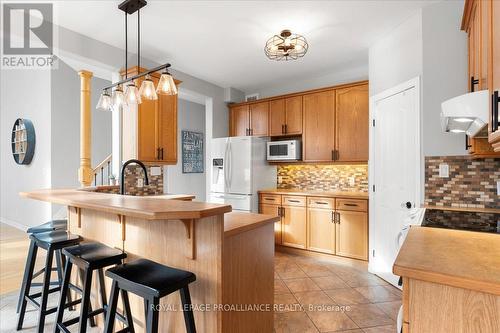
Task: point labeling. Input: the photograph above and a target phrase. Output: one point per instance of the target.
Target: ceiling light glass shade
(132, 95)
(286, 46)
(166, 85)
(118, 98)
(148, 90)
(104, 102)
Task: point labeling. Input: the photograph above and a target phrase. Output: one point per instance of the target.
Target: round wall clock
(23, 141)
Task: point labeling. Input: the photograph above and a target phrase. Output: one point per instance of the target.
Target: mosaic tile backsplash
(323, 177)
(471, 182)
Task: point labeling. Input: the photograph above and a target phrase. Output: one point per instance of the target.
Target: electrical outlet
(498, 187)
(140, 182)
(352, 181)
(280, 179)
(444, 170)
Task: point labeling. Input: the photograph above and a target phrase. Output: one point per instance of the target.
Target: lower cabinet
(327, 225)
(351, 234)
(273, 210)
(293, 226)
(321, 230)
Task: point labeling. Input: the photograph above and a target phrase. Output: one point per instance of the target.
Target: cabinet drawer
(270, 199)
(350, 204)
(294, 201)
(318, 202)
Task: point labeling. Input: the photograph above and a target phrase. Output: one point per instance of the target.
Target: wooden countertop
(458, 258)
(238, 222)
(335, 194)
(163, 207)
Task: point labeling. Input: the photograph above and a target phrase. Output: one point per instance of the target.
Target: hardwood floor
(311, 295)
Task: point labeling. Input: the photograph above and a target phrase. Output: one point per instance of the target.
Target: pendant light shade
(118, 98)
(104, 102)
(286, 46)
(132, 96)
(148, 90)
(166, 86)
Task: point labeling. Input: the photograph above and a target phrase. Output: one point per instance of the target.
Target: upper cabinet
(351, 124)
(333, 122)
(481, 23)
(150, 128)
(285, 116)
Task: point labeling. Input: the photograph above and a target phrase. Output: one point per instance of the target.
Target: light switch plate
(280, 179)
(444, 170)
(155, 171)
(498, 187)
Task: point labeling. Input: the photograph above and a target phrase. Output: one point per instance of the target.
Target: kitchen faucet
(122, 176)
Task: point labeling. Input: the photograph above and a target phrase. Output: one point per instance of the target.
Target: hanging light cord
(126, 47)
(138, 39)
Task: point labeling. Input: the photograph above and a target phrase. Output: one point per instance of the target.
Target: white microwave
(289, 150)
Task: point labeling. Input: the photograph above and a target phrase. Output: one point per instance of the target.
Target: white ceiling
(222, 41)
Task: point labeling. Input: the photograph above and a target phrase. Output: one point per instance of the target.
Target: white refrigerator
(239, 169)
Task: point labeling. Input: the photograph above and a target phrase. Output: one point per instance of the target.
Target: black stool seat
(150, 278)
(94, 255)
(49, 226)
(56, 239)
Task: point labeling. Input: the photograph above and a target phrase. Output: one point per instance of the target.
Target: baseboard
(318, 255)
(14, 224)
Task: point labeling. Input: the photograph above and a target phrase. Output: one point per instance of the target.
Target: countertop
(160, 207)
(336, 194)
(238, 222)
(463, 259)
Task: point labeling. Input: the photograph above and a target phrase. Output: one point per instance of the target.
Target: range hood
(466, 113)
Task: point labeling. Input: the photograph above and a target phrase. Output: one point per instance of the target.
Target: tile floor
(331, 295)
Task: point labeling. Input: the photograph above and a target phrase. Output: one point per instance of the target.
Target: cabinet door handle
(473, 82)
(269, 199)
(282, 129)
(333, 217)
(338, 217)
(161, 154)
(321, 203)
(157, 153)
(286, 128)
(467, 145)
(282, 211)
(333, 155)
(279, 211)
(293, 200)
(494, 114)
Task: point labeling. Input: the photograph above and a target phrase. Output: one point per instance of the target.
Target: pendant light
(148, 90)
(133, 95)
(166, 85)
(286, 46)
(104, 102)
(118, 98)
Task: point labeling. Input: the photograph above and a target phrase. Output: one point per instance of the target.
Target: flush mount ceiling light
(286, 46)
(133, 95)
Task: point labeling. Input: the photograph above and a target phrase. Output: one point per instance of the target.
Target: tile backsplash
(320, 177)
(471, 182)
(134, 172)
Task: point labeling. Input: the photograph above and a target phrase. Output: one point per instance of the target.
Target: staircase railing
(102, 172)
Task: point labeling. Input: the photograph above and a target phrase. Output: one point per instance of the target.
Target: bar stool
(45, 227)
(88, 257)
(52, 242)
(151, 281)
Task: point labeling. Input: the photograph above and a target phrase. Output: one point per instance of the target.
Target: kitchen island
(232, 254)
(451, 281)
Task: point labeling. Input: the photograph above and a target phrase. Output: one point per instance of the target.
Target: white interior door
(240, 165)
(395, 171)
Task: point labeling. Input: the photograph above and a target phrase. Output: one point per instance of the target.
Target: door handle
(494, 114)
(408, 205)
(473, 82)
(467, 145)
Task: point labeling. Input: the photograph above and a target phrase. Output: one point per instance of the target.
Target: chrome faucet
(122, 176)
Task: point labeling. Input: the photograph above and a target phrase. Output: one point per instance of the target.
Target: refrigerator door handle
(230, 162)
(226, 168)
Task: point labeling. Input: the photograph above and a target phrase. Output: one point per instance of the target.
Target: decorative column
(85, 172)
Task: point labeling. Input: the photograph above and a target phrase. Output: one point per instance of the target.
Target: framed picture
(192, 152)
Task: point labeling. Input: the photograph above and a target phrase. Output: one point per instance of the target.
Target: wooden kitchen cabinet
(480, 22)
(319, 126)
(352, 234)
(351, 124)
(294, 227)
(275, 210)
(239, 120)
(150, 134)
(259, 119)
(285, 116)
(321, 230)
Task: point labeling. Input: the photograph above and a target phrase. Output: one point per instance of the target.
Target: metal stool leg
(113, 301)
(187, 310)
(64, 291)
(45, 291)
(85, 305)
(152, 320)
(25, 287)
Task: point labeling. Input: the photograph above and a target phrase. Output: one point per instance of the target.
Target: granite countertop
(463, 259)
(312, 193)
